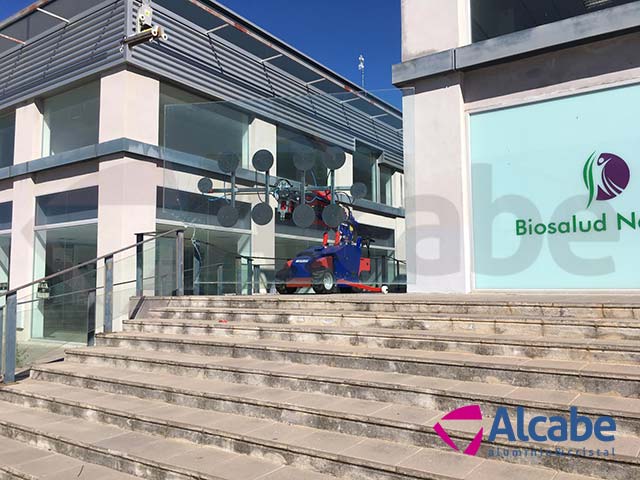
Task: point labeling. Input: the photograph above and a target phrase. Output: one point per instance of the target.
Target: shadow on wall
(579, 62)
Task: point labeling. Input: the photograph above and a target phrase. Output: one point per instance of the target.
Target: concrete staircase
(322, 387)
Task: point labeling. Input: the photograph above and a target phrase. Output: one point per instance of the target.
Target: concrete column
(430, 26)
(344, 176)
(437, 188)
(129, 108)
(397, 189)
(28, 146)
(263, 135)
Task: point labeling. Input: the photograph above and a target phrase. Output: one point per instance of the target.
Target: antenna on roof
(361, 68)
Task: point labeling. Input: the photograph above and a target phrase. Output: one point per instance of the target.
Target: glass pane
(6, 215)
(217, 258)
(63, 315)
(210, 130)
(386, 195)
(291, 145)
(492, 18)
(71, 119)
(5, 256)
(365, 168)
(70, 206)
(7, 139)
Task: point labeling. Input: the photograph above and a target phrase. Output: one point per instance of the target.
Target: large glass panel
(492, 18)
(71, 119)
(63, 315)
(198, 196)
(293, 144)
(212, 130)
(214, 261)
(5, 256)
(365, 169)
(7, 138)
(69, 206)
(386, 185)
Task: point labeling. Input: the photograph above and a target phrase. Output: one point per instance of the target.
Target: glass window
(192, 124)
(365, 169)
(6, 215)
(63, 316)
(492, 18)
(71, 119)
(195, 208)
(7, 138)
(386, 185)
(291, 145)
(71, 206)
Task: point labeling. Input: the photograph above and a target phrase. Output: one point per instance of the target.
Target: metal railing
(9, 312)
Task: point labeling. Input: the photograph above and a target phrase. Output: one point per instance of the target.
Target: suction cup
(304, 216)
(262, 213)
(228, 216)
(262, 160)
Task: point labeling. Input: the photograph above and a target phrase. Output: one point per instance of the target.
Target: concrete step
(520, 305)
(582, 376)
(604, 328)
(140, 454)
(269, 432)
(25, 462)
(615, 351)
(425, 392)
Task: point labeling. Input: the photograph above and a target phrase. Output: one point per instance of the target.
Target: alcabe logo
(526, 428)
(470, 412)
(606, 177)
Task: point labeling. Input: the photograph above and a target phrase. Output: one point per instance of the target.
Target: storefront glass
(556, 193)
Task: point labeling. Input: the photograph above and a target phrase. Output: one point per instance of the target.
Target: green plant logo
(605, 176)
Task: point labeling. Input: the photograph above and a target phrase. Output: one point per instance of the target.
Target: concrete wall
(437, 180)
(430, 26)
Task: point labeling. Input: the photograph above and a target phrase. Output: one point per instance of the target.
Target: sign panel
(556, 193)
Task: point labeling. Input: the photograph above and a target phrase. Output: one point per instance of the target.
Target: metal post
(180, 263)
(108, 294)
(238, 275)
(91, 318)
(250, 276)
(256, 279)
(197, 271)
(139, 266)
(10, 338)
(385, 270)
(220, 279)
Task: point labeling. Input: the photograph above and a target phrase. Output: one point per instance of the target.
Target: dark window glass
(386, 185)
(492, 18)
(7, 138)
(71, 206)
(6, 215)
(196, 208)
(291, 145)
(192, 124)
(365, 169)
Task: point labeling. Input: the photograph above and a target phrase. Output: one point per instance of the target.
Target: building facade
(524, 153)
(101, 140)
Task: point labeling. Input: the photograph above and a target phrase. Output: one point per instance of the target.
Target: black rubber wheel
(282, 289)
(324, 281)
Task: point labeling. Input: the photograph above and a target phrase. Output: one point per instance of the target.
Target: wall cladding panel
(64, 54)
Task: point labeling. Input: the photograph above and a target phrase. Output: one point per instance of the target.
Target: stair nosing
(485, 339)
(279, 445)
(488, 398)
(518, 366)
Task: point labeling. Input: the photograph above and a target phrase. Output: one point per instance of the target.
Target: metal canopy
(38, 18)
(191, 12)
(245, 42)
(295, 69)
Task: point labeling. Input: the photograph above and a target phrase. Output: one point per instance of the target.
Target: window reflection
(7, 138)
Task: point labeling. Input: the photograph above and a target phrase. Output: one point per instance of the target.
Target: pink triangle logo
(470, 412)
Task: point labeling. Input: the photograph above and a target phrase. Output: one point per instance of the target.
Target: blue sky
(334, 32)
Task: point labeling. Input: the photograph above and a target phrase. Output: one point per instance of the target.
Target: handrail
(88, 262)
